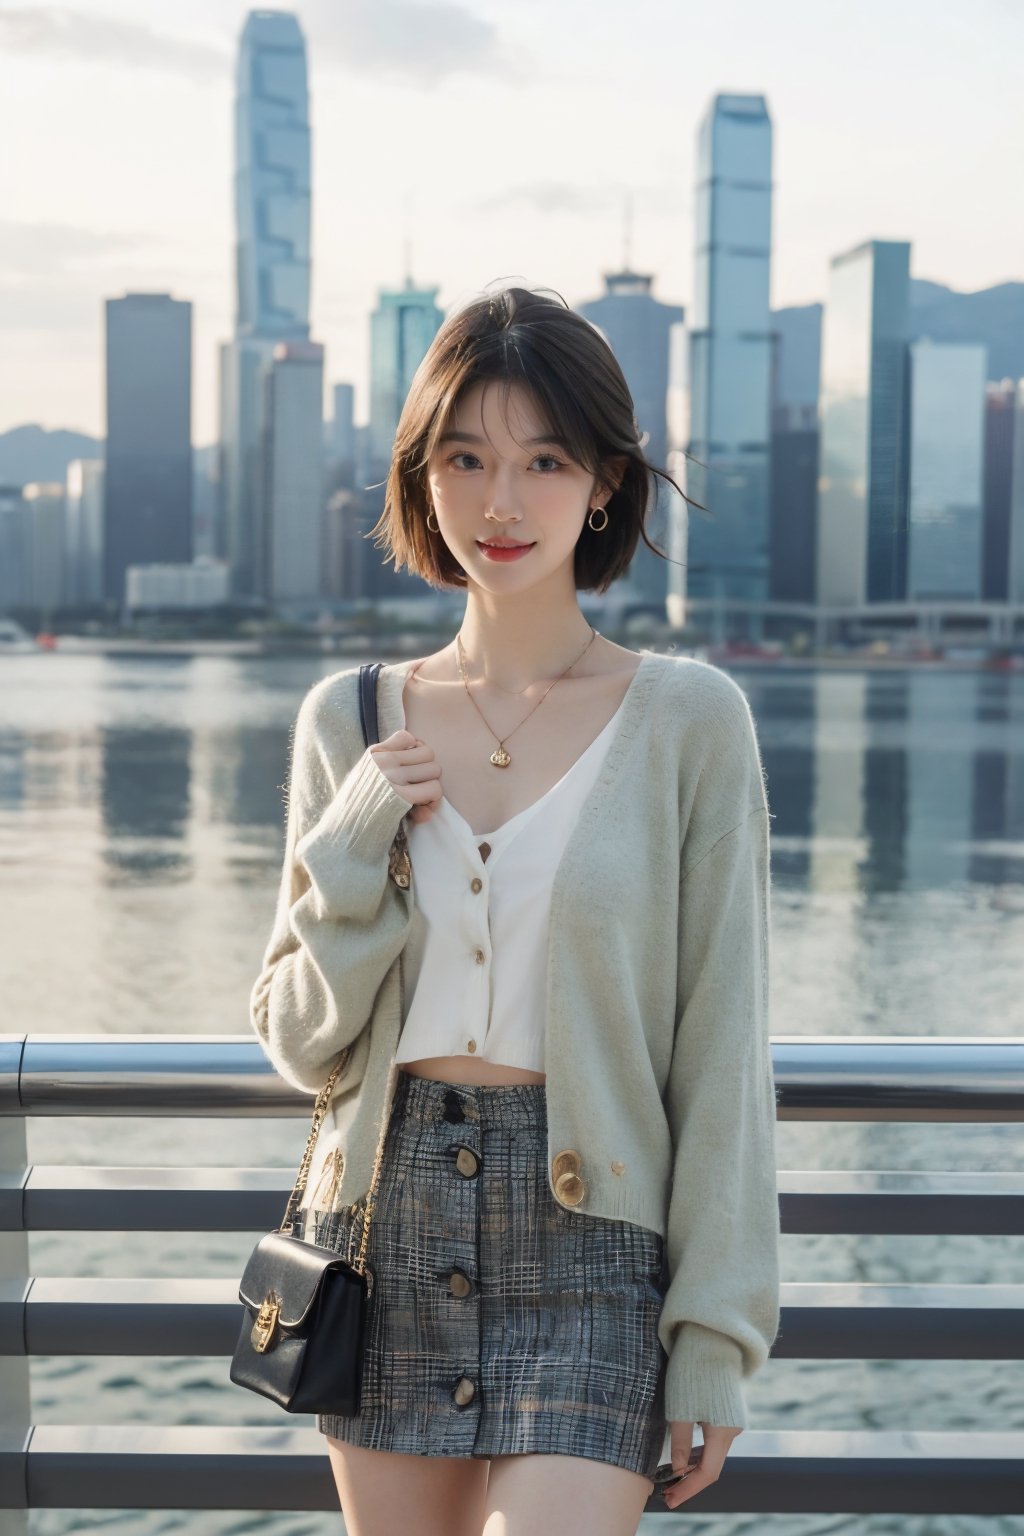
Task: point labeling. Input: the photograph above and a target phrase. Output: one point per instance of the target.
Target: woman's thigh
(385, 1493)
(568, 1494)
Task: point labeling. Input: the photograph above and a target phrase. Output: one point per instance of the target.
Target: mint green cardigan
(658, 1064)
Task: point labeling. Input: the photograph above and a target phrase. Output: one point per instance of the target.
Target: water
(141, 829)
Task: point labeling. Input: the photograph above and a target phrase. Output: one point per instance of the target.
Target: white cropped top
(475, 960)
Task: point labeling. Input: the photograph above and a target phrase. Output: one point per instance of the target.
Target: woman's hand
(413, 770)
(698, 1473)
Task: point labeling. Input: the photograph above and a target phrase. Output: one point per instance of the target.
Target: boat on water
(15, 639)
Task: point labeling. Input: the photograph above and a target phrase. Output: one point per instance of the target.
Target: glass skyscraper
(731, 353)
(272, 222)
(292, 471)
(147, 481)
(862, 484)
(402, 327)
(947, 469)
(272, 183)
(638, 327)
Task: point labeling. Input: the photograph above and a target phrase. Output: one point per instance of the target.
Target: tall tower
(863, 420)
(402, 327)
(272, 263)
(148, 478)
(946, 475)
(638, 327)
(272, 181)
(293, 472)
(731, 353)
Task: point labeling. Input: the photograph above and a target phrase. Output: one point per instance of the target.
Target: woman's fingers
(411, 767)
(705, 1461)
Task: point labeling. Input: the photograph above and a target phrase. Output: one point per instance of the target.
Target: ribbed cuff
(363, 817)
(704, 1379)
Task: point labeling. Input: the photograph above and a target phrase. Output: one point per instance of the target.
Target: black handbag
(304, 1319)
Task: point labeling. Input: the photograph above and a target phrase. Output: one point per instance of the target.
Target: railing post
(15, 1394)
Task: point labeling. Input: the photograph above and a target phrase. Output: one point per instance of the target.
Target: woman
(558, 1000)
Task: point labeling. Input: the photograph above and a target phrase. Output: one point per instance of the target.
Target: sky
(504, 140)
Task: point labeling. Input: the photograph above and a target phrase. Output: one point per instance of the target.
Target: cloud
(41, 250)
(423, 42)
(556, 197)
(59, 32)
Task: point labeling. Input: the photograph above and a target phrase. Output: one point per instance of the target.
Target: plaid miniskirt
(498, 1320)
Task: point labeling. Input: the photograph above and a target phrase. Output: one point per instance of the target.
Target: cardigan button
(568, 1161)
(467, 1162)
(458, 1283)
(464, 1391)
(476, 884)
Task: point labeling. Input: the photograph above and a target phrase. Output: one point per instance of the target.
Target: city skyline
(580, 117)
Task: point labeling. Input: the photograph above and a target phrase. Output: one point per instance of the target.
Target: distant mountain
(33, 453)
(993, 317)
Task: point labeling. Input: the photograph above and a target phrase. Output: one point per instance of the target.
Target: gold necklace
(499, 757)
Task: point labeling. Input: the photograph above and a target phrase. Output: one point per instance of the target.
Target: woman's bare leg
(384, 1493)
(572, 1495)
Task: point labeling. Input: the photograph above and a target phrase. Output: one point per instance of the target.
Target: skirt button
(569, 1188)
(464, 1391)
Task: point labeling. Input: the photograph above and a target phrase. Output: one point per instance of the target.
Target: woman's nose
(502, 491)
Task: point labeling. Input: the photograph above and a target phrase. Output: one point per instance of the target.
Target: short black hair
(519, 336)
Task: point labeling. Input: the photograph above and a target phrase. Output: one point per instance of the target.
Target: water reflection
(141, 815)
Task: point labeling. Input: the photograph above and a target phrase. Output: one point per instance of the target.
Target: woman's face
(494, 476)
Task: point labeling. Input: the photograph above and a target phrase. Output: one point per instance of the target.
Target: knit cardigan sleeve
(720, 1313)
(340, 920)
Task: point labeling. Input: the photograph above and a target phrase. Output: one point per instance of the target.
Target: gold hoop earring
(597, 527)
(436, 527)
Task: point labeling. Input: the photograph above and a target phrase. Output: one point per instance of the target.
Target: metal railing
(254, 1468)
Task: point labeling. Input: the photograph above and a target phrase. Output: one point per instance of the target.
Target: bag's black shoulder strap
(368, 673)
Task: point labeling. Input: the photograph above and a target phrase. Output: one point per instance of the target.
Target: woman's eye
(542, 458)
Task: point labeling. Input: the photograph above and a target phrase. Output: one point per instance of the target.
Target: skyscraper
(343, 431)
(147, 482)
(862, 486)
(402, 327)
(1015, 580)
(272, 181)
(638, 327)
(1000, 426)
(947, 469)
(293, 472)
(731, 353)
(272, 222)
(84, 525)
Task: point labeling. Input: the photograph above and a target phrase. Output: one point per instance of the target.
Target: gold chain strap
(319, 1113)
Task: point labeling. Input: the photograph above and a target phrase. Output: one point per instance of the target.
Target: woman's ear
(612, 472)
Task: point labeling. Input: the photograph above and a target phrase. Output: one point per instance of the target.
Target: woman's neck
(512, 651)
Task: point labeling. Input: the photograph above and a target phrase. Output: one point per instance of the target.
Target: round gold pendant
(500, 758)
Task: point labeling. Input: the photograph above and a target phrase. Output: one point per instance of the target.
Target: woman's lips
(503, 553)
